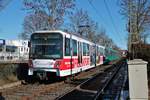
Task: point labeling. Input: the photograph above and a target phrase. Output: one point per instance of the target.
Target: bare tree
(78, 21)
(4, 3)
(102, 39)
(46, 14)
(81, 23)
(34, 22)
(137, 13)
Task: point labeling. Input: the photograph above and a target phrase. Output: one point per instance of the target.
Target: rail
(86, 90)
(101, 91)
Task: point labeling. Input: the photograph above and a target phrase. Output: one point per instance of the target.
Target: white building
(14, 50)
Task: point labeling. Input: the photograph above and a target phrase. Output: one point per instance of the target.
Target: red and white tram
(62, 53)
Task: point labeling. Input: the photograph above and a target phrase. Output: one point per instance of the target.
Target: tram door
(92, 54)
(79, 52)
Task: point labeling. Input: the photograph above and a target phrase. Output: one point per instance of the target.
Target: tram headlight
(57, 64)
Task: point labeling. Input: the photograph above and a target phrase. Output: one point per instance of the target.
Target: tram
(62, 53)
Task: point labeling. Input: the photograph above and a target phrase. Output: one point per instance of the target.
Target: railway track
(48, 91)
(105, 85)
(113, 88)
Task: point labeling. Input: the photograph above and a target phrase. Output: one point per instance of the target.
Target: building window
(11, 48)
(21, 49)
(1, 48)
(27, 49)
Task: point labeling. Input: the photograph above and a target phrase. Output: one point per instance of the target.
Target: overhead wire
(112, 21)
(99, 14)
(96, 11)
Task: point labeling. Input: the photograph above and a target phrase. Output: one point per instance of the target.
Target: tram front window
(46, 46)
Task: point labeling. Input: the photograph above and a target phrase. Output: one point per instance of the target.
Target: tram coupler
(42, 75)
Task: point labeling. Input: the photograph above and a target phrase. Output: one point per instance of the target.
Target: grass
(8, 73)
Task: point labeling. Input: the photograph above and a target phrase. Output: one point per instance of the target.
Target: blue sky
(11, 19)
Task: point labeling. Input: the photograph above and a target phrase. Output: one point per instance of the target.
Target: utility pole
(71, 53)
(131, 30)
(129, 41)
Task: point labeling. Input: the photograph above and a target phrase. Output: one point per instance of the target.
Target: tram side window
(67, 47)
(101, 51)
(107, 52)
(74, 48)
(88, 50)
(85, 49)
(97, 50)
